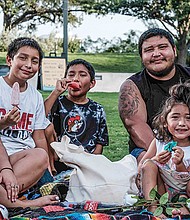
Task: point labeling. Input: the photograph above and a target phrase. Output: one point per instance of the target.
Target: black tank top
(154, 92)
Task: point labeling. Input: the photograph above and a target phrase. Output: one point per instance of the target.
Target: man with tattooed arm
(142, 94)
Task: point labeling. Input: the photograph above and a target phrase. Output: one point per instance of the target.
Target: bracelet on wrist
(6, 168)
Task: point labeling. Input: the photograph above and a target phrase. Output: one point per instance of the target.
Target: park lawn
(118, 137)
(111, 62)
(104, 62)
(2, 57)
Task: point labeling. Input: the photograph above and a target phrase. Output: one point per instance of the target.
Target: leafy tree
(30, 13)
(173, 15)
(74, 45)
(91, 46)
(128, 44)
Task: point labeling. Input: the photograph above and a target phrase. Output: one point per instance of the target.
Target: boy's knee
(42, 158)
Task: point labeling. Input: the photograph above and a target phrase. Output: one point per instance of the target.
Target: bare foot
(44, 200)
(153, 208)
(176, 213)
(179, 212)
(39, 202)
(162, 216)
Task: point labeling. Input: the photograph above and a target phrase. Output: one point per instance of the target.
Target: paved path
(109, 82)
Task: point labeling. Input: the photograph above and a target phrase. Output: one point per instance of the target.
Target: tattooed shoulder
(128, 99)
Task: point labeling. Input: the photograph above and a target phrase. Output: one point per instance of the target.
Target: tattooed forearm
(128, 100)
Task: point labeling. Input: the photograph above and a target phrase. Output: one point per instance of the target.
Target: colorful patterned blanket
(60, 211)
(79, 212)
(88, 210)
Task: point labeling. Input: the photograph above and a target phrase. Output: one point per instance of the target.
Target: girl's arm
(151, 152)
(178, 160)
(181, 167)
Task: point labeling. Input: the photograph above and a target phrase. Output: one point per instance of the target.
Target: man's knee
(138, 153)
(141, 155)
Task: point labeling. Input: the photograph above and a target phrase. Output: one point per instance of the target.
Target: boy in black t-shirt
(75, 115)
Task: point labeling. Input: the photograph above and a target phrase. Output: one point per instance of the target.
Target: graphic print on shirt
(22, 129)
(74, 124)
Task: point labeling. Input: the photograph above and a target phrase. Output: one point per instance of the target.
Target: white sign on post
(53, 68)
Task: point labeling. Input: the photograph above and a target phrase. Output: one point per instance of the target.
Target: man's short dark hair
(89, 67)
(16, 44)
(152, 32)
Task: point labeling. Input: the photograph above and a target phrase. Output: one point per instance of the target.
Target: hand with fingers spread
(8, 179)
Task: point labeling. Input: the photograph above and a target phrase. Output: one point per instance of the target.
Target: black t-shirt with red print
(84, 124)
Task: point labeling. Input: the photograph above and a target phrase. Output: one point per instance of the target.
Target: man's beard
(162, 73)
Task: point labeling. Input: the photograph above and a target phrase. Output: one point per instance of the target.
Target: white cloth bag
(95, 177)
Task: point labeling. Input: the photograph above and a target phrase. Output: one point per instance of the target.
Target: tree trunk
(182, 50)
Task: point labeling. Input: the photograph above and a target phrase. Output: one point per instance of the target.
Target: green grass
(118, 137)
(2, 57)
(111, 62)
(118, 145)
(104, 62)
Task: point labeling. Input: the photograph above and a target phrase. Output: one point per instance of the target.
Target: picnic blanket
(78, 211)
(85, 210)
(95, 190)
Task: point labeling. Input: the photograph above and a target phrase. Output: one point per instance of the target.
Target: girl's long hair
(179, 94)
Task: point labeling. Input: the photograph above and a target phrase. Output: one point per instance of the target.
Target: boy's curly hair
(179, 94)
